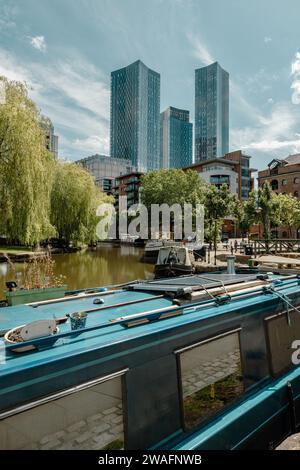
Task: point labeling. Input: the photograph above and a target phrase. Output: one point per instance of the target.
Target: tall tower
(176, 138)
(211, 112)
(135, 116)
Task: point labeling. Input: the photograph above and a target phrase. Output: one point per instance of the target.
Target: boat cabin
(194, 362)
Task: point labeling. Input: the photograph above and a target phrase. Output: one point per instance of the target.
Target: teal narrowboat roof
(102, 332)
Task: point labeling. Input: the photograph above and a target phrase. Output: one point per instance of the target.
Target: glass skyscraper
(211, 112)
(176, 138)
(135, 111)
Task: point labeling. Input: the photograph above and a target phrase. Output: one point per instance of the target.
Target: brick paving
(210, 372)
(94, 433)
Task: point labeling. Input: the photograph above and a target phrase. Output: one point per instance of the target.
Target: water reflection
(104, 266)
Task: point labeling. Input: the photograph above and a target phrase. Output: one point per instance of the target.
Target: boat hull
(171, 270)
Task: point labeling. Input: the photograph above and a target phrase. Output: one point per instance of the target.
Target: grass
(15, 249)
(208, 401)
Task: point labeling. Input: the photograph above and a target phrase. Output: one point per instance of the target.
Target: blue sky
(66, 49)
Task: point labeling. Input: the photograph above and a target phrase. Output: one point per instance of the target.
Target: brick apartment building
(233, 170)
(283, 175)
(284, 178)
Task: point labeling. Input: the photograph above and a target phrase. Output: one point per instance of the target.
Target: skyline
(68, 65)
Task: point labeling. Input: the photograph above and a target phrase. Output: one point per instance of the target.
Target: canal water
(104, 266)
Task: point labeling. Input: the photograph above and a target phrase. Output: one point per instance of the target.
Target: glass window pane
(88, 419)
(211, 378)
(282, 330)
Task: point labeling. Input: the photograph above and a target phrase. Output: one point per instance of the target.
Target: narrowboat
(194, 362)
(173, 261)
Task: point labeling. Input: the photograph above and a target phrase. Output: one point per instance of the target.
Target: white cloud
(270, 100)
(38, 42)
(200, 51)
(271, 145)
(92, 144)
(273, 132)
(267, 39)
(295, 73)
(72, 93)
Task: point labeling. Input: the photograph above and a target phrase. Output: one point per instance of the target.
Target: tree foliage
(289, 212)
(172, 186)
(263, 208)
(219, 203)
(74, 200)
(26, 169)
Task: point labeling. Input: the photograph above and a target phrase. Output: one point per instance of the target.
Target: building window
(91, 418)
(282, 330)
(274, 185)
(296, 194)
(210, 377)
(296, 180)
(284, 182)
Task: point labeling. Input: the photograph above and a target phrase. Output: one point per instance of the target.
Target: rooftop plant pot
(13, 337)
(25, 296)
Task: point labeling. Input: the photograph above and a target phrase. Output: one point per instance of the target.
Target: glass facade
(176, 138)
(106, 169)
(135, 110)
(211, 112)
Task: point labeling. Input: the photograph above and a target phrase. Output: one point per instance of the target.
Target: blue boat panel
(11, 317)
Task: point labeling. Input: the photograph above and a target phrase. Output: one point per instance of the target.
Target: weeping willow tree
(26, 169)
(74, 200)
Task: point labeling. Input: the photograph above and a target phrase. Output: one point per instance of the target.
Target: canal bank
(91, 268)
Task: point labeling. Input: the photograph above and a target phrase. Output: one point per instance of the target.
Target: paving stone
(51, 445)
(76, 426)
(110, 410)
(84, 437)
(109, 418)
(71, 436)
(117, 419)
(117, 429)
(103, 439)
(99, 429)
(96, 417)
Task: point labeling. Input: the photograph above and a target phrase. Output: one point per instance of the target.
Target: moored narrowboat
(194, 362)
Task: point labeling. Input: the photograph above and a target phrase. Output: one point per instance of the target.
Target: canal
(104, 266)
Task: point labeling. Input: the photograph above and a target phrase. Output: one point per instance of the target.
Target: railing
(278, 245)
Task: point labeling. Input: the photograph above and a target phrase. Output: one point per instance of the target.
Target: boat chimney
(230, 264)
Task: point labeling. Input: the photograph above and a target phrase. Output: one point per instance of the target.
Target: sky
(65, 50)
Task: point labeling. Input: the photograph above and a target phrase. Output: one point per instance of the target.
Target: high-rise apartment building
(51, 140)
(135, 116)
(176, 138)
(211, 112)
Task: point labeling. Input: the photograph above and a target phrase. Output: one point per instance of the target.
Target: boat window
(211, 378)
(91, 418)
(282, 329)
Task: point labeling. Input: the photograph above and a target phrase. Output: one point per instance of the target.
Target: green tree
(288, 211)
(263, 207)
(26, 169)
(74, 200)
(219, 203)
(173, 186)
(241, 219)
